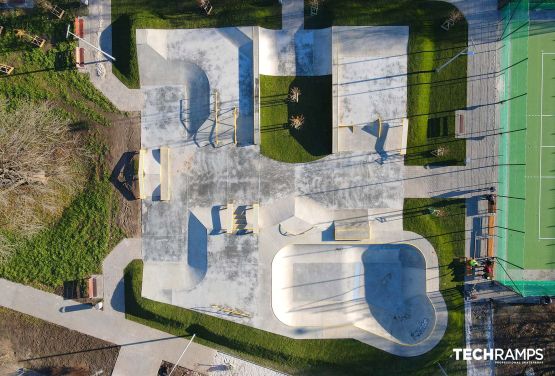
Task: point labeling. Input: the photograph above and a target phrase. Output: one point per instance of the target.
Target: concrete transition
(377, 288)
(314, 250)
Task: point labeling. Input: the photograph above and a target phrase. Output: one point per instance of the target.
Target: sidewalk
(142, 348)
(98, 31)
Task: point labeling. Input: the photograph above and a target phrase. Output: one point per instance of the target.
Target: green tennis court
(526, 199)
(540, 150)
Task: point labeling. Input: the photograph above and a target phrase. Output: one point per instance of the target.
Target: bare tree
(455, 15)
(294, 94)
(41, 167)
(297, 121)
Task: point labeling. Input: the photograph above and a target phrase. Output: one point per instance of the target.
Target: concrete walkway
(112, 270)
(294, 51)
(98, 31)
(142, 348)
(292, 15)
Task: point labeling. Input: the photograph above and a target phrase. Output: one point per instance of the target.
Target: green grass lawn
(281, 142)
(432, 98)
(327, 357)
(71, 249)
(76, 243)
(129, 15)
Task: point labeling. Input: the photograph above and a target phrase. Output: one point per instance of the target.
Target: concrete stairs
(242, 219)
(240, 223)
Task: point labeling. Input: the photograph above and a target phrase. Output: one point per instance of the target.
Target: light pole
(183, 353)
(465, 51)
(68, 33)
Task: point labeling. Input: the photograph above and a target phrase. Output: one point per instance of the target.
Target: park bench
(79, 57)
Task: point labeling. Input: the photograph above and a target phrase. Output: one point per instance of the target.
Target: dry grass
(41, 168)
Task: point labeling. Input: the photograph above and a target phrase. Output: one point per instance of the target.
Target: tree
(297, 121)
(41, 167)
(294, 94)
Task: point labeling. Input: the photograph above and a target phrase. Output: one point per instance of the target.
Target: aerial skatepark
(305, 250)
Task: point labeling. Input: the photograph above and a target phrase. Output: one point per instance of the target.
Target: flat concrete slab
(299, 53)
(370, 64)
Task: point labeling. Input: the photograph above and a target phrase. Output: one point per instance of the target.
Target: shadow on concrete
(216, 220)
(197, 249)
(118, 297)
(75, 308)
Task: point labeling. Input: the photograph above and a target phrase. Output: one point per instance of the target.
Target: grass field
(73, 248)
(278, 140)
(77, 242)
(327, 357)
(129, 15)
(432, 98)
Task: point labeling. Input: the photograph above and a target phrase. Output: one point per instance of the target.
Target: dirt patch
(123, 139)
(525, 326)
(27, 342)
(166, 368)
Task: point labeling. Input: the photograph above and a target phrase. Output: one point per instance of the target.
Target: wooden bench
(460, 130)
(79, 57)
(57, 11)
(164, 173)
(230, 225)
(141, 174)
(255, 226)
(491, 235)
(79, 27)
(95, 287)
(405, 137)
(6, 69)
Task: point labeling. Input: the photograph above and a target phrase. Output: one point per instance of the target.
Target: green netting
(522, 254)
(511, 203)
(542, 4)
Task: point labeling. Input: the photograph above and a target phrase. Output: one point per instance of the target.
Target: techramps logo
(502, 356)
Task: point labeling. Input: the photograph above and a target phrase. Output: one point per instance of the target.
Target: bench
(6, 69)
(79, 57)
(141, 174)
(256, 210)
(459, 124)
(230, 225)
(491, 234)
(57, 11)
(79, 26)
(95, 287)
(164, 173)
(405, 137)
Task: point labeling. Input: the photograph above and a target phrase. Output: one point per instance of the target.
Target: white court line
(541, 115)
(540, 155)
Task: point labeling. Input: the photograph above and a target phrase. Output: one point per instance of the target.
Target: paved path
(112, 271)
(482, 124)
(98, 32)
(142, 348)
(292, 15)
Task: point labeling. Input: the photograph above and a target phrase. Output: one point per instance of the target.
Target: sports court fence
(512, 169)
(511, 202)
